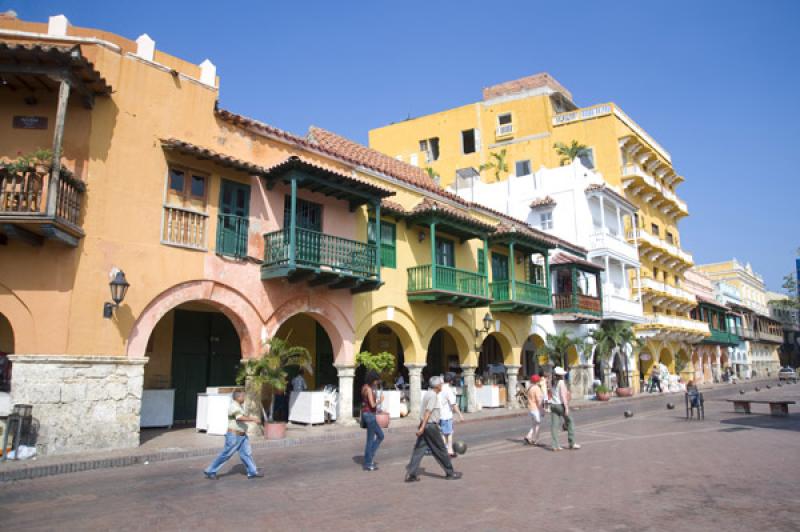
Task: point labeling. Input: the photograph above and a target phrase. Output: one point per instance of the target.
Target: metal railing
(447, 279)
(318, 250)
(523, 292)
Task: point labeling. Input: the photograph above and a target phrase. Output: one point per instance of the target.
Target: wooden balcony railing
(184, 227)
(318, 250)
(533, 294)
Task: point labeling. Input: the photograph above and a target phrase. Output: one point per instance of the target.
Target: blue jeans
(374, 437)
(235, 443)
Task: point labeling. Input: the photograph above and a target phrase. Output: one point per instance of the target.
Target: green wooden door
(234, 212)
(205, 352)
(326, 372)
(308, 221)
(499, 267)
(190, 360)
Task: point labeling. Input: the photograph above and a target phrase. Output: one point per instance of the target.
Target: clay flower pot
(624, 392)
(383, 419)
(603, 396)
(274, 431)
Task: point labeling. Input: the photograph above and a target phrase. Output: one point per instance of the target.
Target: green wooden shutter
(481, 260)
(388, 247)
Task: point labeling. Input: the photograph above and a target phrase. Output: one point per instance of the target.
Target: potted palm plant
(611, 339)
(602, 393)
(383, 364)
(270, 370)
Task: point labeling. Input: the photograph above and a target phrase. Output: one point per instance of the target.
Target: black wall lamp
(487, 324)
(119, 287)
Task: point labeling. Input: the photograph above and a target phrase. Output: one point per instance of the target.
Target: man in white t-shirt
(447, 405)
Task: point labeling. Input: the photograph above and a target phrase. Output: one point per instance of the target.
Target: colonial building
(152, 240)
(713, 353)
(789, 318)
(762, 335)
(574, 203)
(515, 128)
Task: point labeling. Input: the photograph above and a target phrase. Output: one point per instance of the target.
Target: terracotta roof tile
(375, 160)
(603, 187)
(566, 258)
(298, 162)
(199, 152)
(83, 70)
(428, 205)
(391, 207)
(542, 202)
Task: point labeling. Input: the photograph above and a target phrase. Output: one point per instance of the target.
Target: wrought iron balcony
(521, 298)
(447, 286)
(320, 259)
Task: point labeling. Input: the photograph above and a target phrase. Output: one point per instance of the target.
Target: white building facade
(575, 204)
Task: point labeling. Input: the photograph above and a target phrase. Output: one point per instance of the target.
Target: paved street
(654, 471)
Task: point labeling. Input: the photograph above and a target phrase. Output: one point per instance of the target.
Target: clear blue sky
(715, 82)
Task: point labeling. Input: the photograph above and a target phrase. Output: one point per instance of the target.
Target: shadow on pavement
(764, 421)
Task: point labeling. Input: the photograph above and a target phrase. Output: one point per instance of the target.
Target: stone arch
(6, 335)
(20, 319)
(685, 357)
(230, 302)
(402, 325)
(466, 354)
(666, 357)
(332, 319)
(507, 342)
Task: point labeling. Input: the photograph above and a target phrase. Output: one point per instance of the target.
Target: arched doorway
(666, 358)
(646, 364)
(443, 356)
(532, 362)
(191, 348)
(490, 361)
(6, 348)
(682, 363)
(697, 367)
(383, 338)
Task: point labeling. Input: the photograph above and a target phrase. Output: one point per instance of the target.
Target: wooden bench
(776, 408)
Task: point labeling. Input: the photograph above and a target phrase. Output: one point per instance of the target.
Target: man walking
(535, 410)
(236, 440)
(559, 411)
(447, 407)
(429, 436)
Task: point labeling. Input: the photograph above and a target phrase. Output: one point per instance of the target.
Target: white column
(344, 416)
(624, 278)
(512, 371)
(414, 388)
(468, 372)
(602, 215)
(619, 222)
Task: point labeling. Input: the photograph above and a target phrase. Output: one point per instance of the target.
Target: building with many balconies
(514, 129)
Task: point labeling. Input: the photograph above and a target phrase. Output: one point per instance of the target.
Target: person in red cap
(535, 410)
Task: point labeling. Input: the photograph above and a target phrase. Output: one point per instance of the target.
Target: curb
(28, 472)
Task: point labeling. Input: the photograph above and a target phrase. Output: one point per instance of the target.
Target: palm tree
(498, 163)
(571, 152)
(556, 347)
(270, 368)
(610, 338)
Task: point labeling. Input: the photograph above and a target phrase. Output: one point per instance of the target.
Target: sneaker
(412, 478)
(372, 467)
(257, 475)
(575, 446)
(210, 476)
(455, 475)
(556, 449)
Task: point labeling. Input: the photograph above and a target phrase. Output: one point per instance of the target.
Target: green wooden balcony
(320, 259)
(447, 286)
(232, 235)
(721, 337)
(521, 298)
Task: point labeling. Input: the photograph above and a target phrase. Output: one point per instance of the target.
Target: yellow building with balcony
(519, 122)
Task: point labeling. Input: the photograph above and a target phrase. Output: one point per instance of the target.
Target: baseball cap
(559, 371)
(435, 381)
(535, 378)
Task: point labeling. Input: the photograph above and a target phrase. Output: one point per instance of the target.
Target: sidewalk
(166, 445)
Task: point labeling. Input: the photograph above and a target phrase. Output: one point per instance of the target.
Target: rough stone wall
(81, 403)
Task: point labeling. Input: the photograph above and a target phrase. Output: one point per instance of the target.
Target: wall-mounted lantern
(119, 287)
